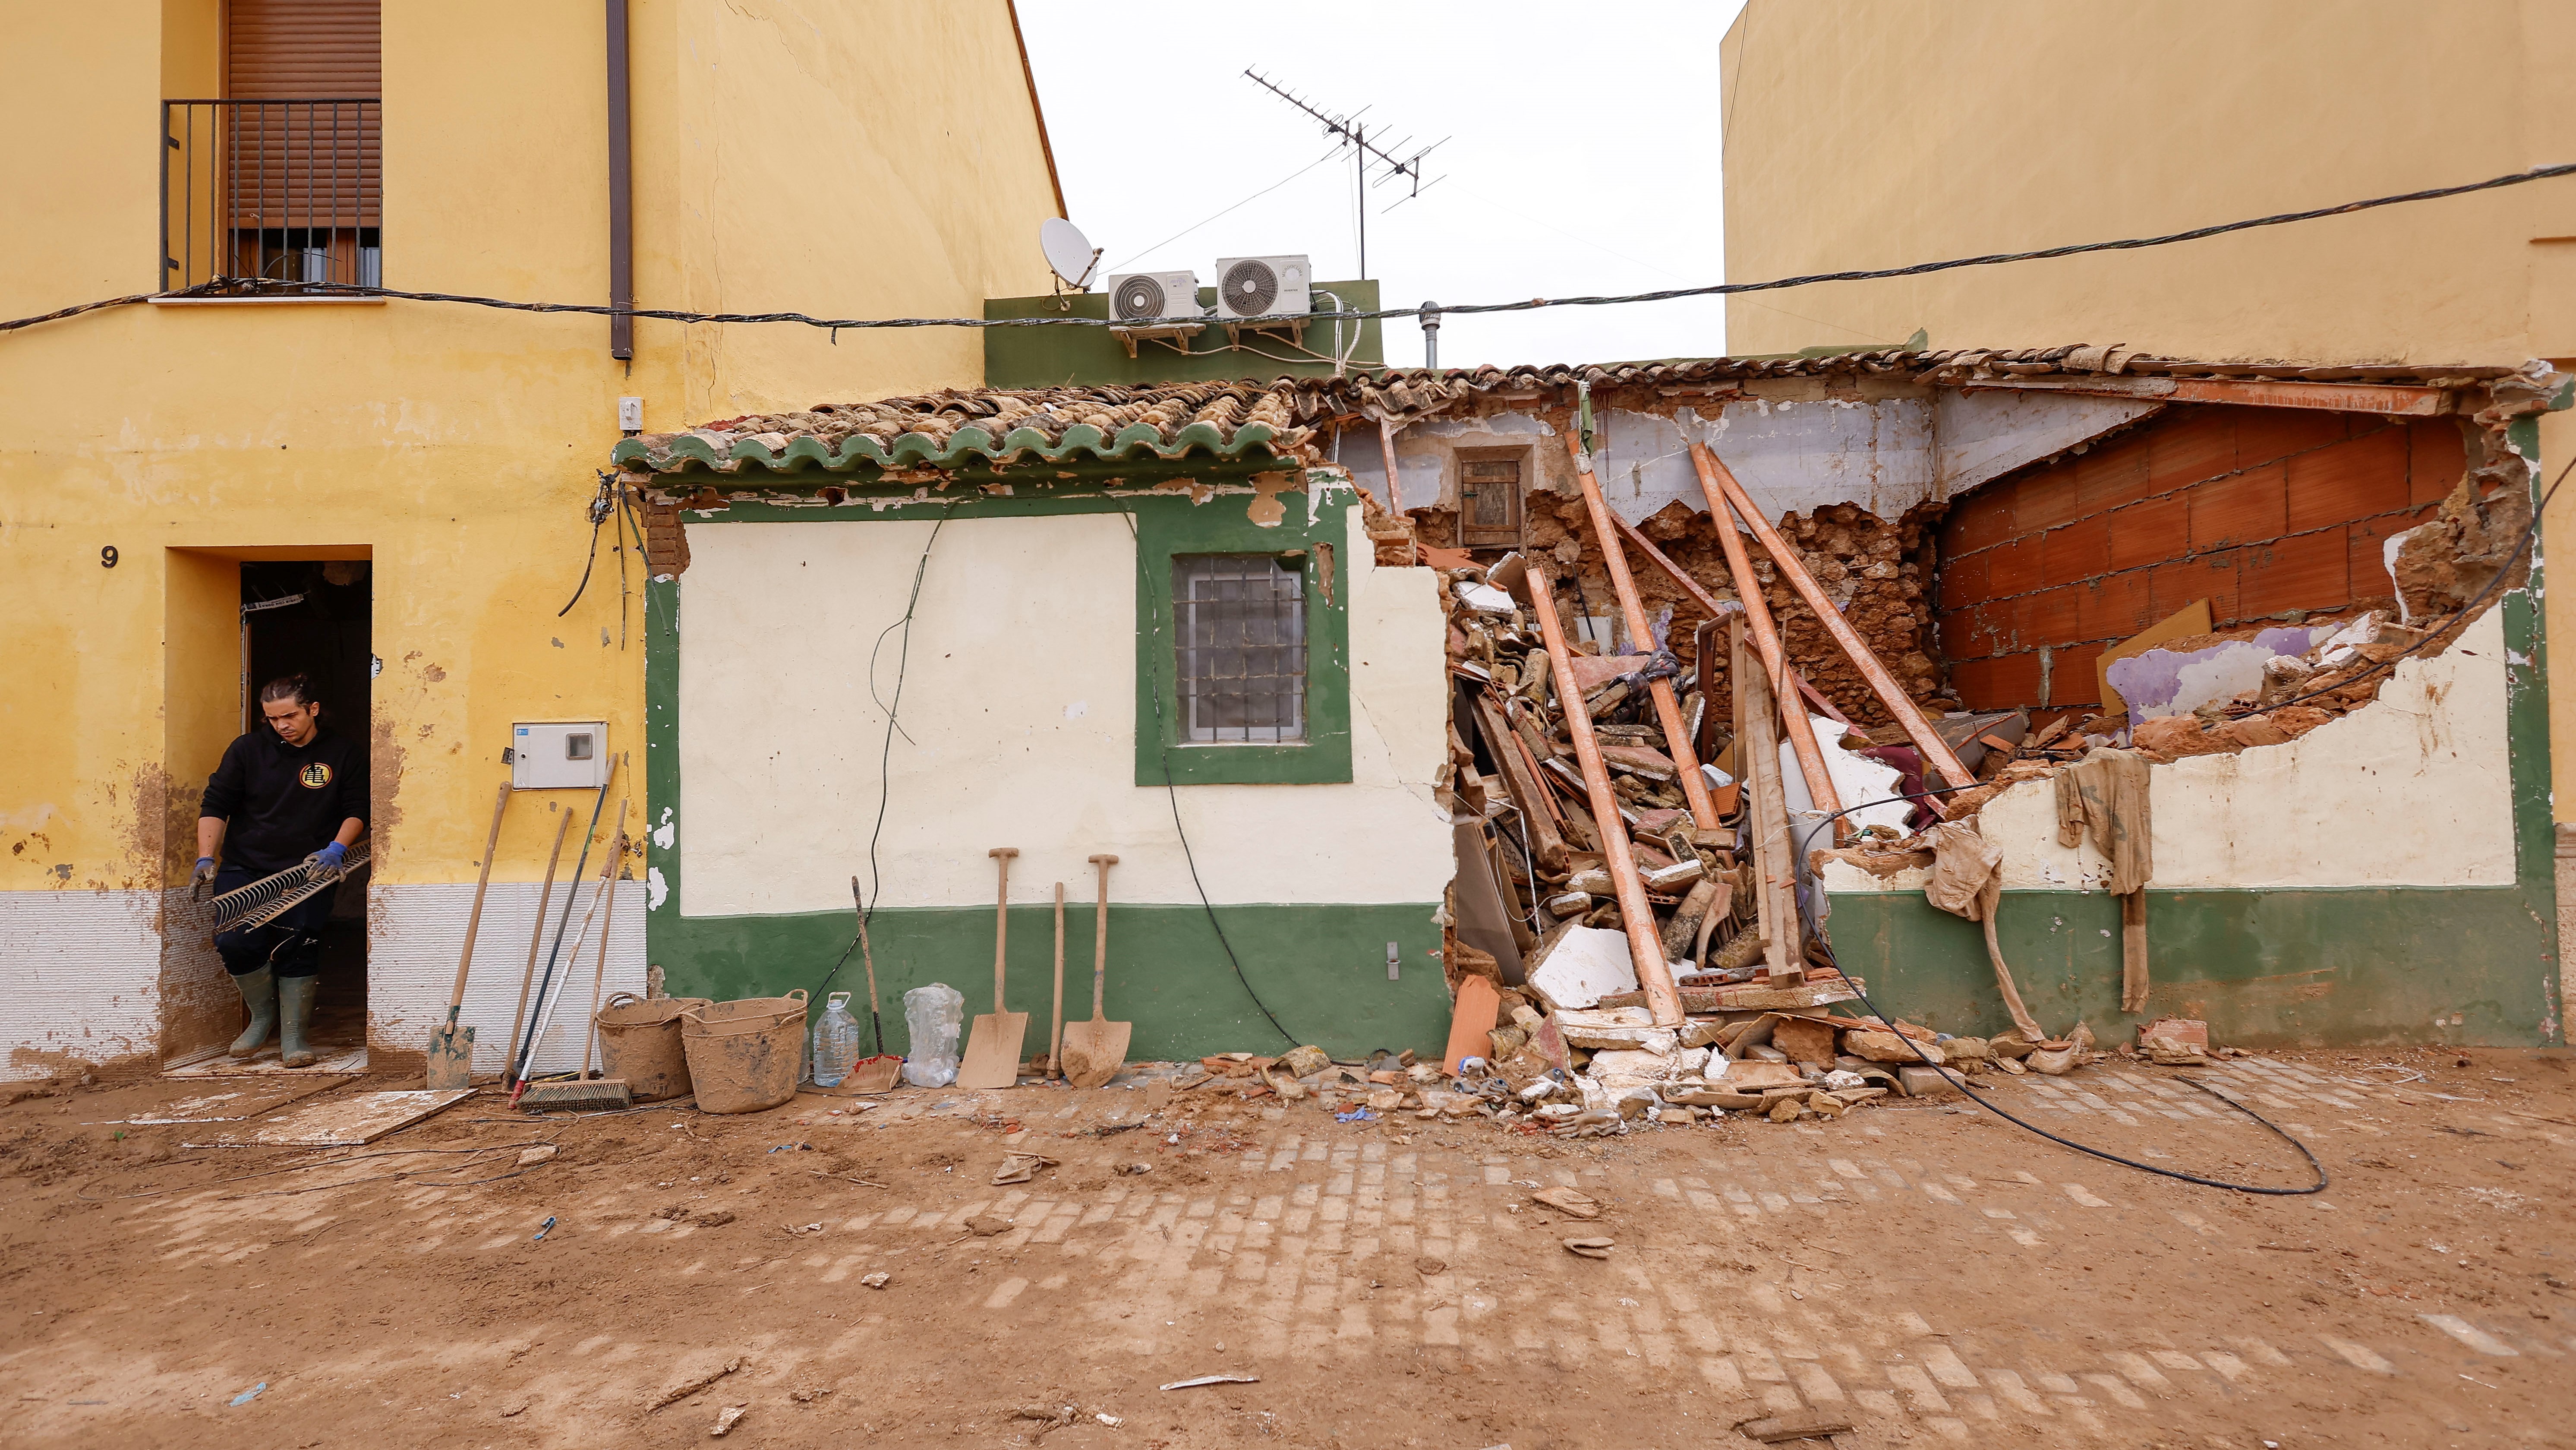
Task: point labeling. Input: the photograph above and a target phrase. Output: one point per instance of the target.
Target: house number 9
(107, 557)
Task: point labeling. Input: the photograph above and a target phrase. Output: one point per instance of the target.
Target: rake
(271, 897)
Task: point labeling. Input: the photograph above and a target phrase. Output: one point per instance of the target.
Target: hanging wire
(249, 288)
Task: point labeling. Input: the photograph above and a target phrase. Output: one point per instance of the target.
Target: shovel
(451, 1048)
(993, 1047)
(876, 1074)
(1094, 1051)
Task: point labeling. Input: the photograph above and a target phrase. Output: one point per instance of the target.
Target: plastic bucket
(639, 1040)
(745, 1056)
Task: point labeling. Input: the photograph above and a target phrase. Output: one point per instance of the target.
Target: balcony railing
(280, 190)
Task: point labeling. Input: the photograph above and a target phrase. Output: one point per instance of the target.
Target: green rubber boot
(295, 1014)
(259, 994)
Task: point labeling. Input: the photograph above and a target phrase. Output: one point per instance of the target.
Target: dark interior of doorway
(325, 634)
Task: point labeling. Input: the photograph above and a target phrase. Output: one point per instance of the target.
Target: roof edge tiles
(1247, 422)
(1251, 422)
(1403, 394)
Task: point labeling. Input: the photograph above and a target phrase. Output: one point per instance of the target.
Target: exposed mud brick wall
(2265, 512)
(1878, 571)
(666, 540)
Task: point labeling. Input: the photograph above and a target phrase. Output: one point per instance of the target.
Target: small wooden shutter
(1489, 499)
(306, 129)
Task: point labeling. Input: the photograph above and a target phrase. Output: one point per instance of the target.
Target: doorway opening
(315, 616)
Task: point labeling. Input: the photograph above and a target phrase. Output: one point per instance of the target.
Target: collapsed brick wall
(1877, 570)
(2270, 514)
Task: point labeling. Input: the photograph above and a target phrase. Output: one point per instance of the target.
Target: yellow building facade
(839, 159)
(1876, 133)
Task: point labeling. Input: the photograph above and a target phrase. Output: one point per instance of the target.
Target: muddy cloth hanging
(2105, 793)
(1968, 880)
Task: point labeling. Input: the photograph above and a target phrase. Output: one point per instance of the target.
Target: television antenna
(1364, 152)
(1068, 252)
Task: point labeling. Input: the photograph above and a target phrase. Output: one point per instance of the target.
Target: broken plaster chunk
(1888, 1047)
(1679, 874)
(1634, 1064)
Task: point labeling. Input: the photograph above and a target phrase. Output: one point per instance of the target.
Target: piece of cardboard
(2192, 618)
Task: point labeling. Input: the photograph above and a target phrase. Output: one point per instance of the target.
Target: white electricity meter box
(558, 755)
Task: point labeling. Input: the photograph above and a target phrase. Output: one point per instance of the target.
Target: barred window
(1240, 647)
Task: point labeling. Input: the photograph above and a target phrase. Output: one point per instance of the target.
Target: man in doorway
(294, 792)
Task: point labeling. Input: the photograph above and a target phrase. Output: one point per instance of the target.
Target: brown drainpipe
(621, 198)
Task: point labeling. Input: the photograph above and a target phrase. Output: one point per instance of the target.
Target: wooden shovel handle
(474, 918)
(1100, 938)
(1001, 917)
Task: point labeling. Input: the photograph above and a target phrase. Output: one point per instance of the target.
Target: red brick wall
(2258, 510)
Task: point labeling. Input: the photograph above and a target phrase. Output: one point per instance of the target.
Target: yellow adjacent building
(419, 473)
(1874, 133)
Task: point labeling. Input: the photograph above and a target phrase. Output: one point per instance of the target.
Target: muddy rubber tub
(639, 1041)
(744, 1056)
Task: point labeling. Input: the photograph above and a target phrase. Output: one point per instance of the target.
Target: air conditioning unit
(1143, 298)
(1248, 287)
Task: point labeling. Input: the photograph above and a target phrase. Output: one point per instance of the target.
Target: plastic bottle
(936, 1016)
(836, 1041)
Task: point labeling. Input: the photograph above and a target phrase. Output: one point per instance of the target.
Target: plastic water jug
(836, 1041)
(936, 1015)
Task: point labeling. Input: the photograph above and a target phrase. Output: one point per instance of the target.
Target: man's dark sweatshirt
(281, 803)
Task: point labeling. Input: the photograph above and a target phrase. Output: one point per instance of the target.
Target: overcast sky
(1581, 157)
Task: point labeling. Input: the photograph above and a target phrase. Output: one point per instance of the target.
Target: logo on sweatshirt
(315, 776)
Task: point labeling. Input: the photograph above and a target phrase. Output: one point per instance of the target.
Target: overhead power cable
(250, 287)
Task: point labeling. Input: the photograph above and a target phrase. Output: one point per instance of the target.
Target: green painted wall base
(1321, 969)
(2265, 968)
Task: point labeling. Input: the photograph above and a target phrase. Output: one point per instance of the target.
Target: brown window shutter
(1489, 497)
(303, 49)
(303, 176)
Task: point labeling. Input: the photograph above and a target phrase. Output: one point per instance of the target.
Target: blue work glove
(204, 875)
(332, 855)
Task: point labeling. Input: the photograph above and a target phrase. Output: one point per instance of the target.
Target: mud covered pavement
(1918, 1269)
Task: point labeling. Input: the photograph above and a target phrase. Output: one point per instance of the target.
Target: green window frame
(1168, 530)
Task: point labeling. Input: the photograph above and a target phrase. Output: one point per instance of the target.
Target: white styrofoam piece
(1856, 779)
(1587, 964)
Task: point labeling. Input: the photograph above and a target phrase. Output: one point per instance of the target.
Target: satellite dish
(1068, 251)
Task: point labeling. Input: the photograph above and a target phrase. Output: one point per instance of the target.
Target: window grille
(1240, 647)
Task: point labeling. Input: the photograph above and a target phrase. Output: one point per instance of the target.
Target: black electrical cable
(598, 515)
(255, 287)
(885, 755)
(2108, 1157)
(1163, 736)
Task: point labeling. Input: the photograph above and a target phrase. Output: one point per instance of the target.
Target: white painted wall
(80, 979)
(2414, 790)
(1019, 706)
(415, 933)
(1796, 451)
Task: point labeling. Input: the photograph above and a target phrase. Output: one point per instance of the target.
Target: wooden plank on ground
(356, 1120)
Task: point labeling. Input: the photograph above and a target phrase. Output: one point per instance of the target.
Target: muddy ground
(1926, 1272)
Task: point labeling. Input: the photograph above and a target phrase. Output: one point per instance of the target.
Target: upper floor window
(282, 177)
